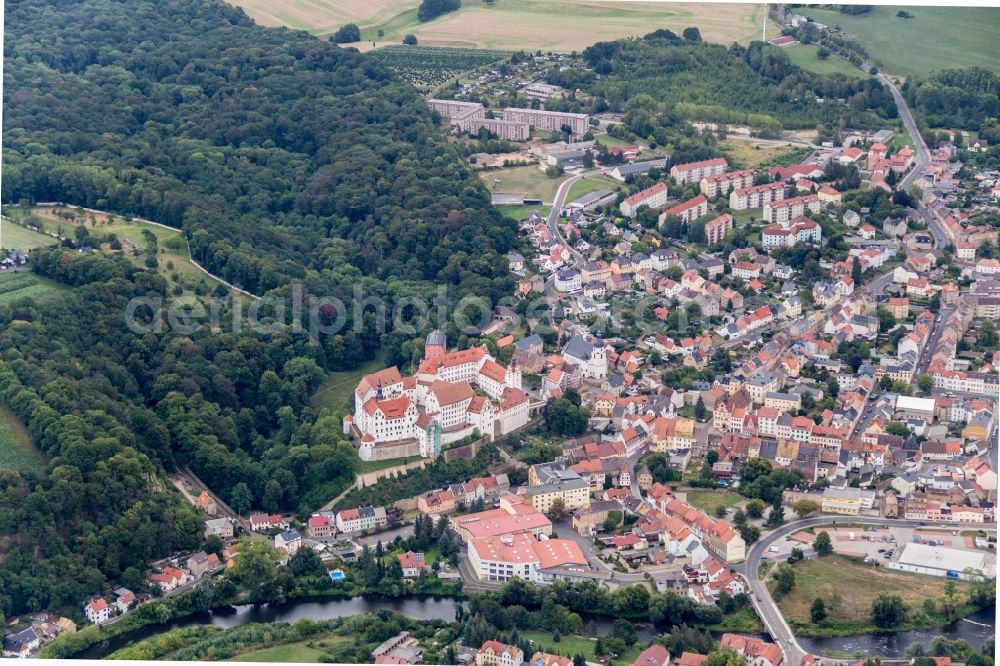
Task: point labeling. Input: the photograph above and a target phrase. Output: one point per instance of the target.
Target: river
(975, 629)
(418, 608)
(431, 608)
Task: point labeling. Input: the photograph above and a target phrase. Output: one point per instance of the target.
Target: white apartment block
(693, 172)
(720, 184)
(552, 121)
(654, 197)
(784, 210)
(757, 196)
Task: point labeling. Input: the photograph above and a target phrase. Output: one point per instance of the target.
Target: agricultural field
(429, 66)
(804, 55)
(935, 38)
(529, 182)
(549, 25)
(16, 450)
(752, 154)
(15, 237)
(15, 286)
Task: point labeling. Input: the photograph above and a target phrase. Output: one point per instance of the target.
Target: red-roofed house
(757, 652)
(97, 610)
(412, 563)
(654, 655)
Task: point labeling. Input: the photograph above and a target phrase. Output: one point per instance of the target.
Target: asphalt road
(766, 607)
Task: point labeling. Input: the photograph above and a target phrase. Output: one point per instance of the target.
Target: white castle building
(451, 396)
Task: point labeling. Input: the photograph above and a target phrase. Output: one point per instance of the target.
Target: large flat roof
(910, 403)
(944, 558)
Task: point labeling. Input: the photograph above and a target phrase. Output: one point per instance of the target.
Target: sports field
(935, 38)
(529, 182)
(804, 55)
(549, 25)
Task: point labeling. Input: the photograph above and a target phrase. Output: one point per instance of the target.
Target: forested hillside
(281, 156)
(962, 98)
(662, 78)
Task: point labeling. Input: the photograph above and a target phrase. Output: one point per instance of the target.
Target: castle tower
(513, 376)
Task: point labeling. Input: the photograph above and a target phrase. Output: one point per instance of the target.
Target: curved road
(766, 607)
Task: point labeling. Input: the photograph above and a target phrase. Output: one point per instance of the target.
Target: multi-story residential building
(756, 196)
(493, 653)
(693, 172)
(798, 230)
(718, 228)
(784, 210)
(361, 518)
(653, 197)
(550, 121)
(97, 610)
(688, 211)
(720, 184)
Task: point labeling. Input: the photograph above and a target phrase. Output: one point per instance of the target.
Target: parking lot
(879, 544)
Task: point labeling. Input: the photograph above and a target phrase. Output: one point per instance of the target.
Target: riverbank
(184, 606)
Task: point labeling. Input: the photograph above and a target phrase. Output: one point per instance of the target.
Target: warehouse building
(945, 562)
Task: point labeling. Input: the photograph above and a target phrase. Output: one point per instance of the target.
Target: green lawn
(521, 213)
(15, 286)
(935, 38)
(573, 645)
(591, 184)
(529, 182)
(337, 391)
(804, 55)
(611, 141)
(293, 652)
(752, 155)
(708, 500)
(15, 237)
(365, 466)
(16, 450)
